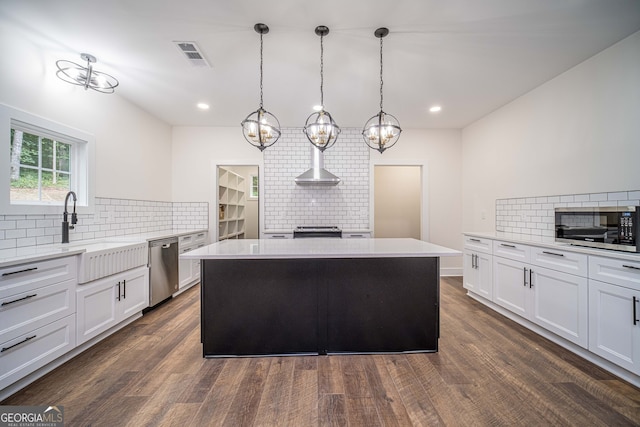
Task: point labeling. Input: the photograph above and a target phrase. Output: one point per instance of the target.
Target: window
(42, 162)
(253, 186)
(40, 167)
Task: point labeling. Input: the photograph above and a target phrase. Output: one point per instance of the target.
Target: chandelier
(381, 131)
(87, 77)
(320, 128)
(261, 128)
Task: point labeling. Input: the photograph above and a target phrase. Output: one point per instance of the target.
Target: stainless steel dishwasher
(163, 269)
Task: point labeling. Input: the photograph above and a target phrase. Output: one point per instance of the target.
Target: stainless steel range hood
(317, 175)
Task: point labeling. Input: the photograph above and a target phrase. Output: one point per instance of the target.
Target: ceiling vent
(192, 52)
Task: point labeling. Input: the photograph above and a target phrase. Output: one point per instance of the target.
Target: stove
(316, 231)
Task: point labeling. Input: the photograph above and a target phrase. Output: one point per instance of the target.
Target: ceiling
(469, 56)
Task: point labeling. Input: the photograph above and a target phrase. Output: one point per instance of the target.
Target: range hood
(317, 175)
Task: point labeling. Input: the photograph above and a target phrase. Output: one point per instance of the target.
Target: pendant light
(261, 128)
(381, 131)
(86, 77)
(320, 128)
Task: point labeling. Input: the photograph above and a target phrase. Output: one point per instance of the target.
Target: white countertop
(549, 242)
(319, 248)
(14, 256)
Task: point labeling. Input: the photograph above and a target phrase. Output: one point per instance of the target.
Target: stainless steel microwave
(606, 227)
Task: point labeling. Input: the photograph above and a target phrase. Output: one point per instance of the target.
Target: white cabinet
(356, 234)
(231, 204)
(106, 302)
(278, 235)
(511, 286)
(614, 308)
(560, 303)
(478, 267)
(552, 299)
(189, 269)
(37, 315)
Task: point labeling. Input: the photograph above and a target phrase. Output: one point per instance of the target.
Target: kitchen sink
(105, 257)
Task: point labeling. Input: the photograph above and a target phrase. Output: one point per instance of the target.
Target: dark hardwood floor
(489, 371)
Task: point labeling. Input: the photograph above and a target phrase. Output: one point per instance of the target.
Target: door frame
(214, 197)
(424, 190)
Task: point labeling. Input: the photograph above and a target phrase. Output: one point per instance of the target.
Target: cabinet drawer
(26, 353)
(514, 251)
(564, 261)
(27, 277)
(26, 311)
(200, 237)
(363, 235)
(278, 235)
(478, 244)
(187, 240)
(619, 272)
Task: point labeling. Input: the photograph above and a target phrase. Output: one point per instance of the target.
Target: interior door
(397, 201)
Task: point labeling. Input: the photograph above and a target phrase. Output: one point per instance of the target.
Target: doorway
(397, 199)
(238, 201)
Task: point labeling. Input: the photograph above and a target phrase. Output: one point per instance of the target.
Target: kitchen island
(319, 296)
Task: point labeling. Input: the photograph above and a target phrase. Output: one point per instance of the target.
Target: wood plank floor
(489, 371)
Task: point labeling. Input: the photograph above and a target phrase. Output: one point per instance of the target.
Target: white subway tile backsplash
(112, 217)
(288, 205)
(536, 215)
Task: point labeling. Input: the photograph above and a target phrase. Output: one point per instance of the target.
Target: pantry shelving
(231, 204)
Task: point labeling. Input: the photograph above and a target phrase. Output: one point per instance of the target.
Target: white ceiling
(469, 56)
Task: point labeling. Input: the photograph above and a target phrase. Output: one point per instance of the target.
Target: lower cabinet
(554, 300)
(614, 324)
(478, 273)
(106, 302)
(24, 354)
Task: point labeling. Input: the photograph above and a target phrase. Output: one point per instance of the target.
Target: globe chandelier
(320, 128)
(381, 131)
(261, 128)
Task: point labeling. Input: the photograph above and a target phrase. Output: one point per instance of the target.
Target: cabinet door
(612, 332)
(470, 274)
(96, 305)
(134, 295)
(484, 268)
(560, 303)
(511, 286)
(185, 271)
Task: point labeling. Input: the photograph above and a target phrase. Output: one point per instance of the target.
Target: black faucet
(74, 217)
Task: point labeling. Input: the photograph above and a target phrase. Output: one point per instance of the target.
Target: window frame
(82, 162)
(251, 187)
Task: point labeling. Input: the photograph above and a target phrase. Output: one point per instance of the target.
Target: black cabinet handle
(631, 266)
(635, 319)
(552, 253)
(508, 246)
(17, 344)
(19, 299)
(118, 292)
(475, 240)
(19, 271)
(530, 278)
(124, 290)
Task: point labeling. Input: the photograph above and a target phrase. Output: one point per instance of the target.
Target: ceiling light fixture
(203, 105)
(87, 77)
(435, 109)
(261, 128)
(320, 128)
(381, 131)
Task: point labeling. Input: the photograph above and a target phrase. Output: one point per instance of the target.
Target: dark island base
(319, 306)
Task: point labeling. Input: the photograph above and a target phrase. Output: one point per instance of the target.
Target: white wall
(133, 148)
(577, 133)
(441, 151)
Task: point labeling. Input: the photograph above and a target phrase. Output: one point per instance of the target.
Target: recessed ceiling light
(203, 106)
(435, 108)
